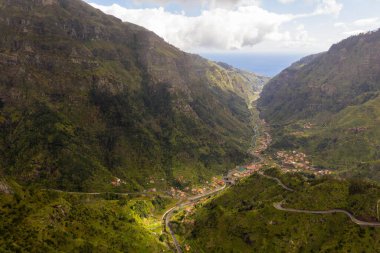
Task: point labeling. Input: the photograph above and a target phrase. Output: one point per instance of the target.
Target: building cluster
(241, 172)
(298, 162)
(294, 159)
(187, 191)
(216, 182)
(177, 193)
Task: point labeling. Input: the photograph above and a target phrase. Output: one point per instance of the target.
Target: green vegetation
(348, 141)
(328, 106)
(86, 98)
(243, 219)
(42, 221)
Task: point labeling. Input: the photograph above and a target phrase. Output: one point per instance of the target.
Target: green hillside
(85, 98)
(327, 105)
(243, 219)
(40, 221)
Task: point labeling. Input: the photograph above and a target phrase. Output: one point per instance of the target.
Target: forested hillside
(85, 98)
(328, 106)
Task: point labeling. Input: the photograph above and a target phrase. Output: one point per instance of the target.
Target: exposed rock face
(87, 97)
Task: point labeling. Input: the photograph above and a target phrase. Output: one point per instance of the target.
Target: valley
(113, 140)
(269, 167)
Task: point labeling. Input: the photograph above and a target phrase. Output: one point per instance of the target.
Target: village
(293, 161)
(286, 161)
(289, 161)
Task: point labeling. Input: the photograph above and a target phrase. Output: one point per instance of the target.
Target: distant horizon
(248, 25)
(266, 64)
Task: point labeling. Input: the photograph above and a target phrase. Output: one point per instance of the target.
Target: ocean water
(264, 64)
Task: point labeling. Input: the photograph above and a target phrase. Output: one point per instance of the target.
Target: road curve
(166, 218)
(278, 206)
(279, 182)
(168, 214)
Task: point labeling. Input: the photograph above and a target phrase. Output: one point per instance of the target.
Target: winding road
(278, 206)
(278, 182)
(166, 219)
(191, 200)
(168, 214)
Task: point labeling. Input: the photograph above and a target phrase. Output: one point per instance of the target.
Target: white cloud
(340, 25)
(358, 26)
(244, 26)
(367, 22)
(286, 1)
(211, 4)
(216, 28)
(328, 7)
(353, 32)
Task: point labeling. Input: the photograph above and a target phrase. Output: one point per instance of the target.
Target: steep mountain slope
(85, 97)
(348, 74)
(328, 106)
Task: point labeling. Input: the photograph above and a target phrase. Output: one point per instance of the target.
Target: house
(229, 180)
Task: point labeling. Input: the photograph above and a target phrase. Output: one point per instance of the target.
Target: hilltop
(327, 105)
(87, 100)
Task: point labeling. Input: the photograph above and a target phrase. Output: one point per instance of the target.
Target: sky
(275, 26)
(249, 27)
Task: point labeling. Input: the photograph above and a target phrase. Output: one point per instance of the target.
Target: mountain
(85, 98)
(328, 106)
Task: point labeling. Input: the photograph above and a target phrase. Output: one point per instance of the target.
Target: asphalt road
(278, 182)
(278, 206)
(168, 214)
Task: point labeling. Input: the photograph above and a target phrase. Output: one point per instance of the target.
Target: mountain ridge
(86, 98)
(326, 106)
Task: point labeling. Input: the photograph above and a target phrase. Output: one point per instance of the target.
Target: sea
(264, 64)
